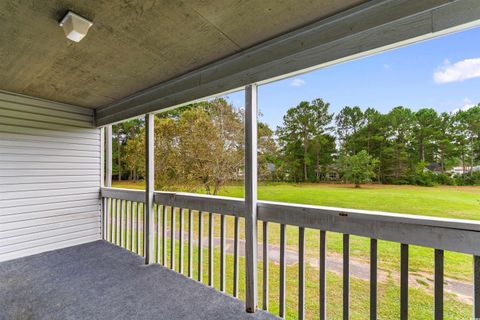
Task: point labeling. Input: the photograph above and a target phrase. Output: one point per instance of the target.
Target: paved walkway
(358, 269)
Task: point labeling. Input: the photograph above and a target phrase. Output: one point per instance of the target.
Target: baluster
(265, 265)
(172, 239)
(373, 279)
(118, 222)
(131, 226)
(323, 275)
(109, 220)
(301, 273)
(144, 247)
(138, 228)
(122, 229)
(235, 257)
(282, 270)
(404, 281)
(200, 247)
(127, 224)
(134, 227)
(158, 232)
(222, 253)
(104, 218)
(476, 287)
(438, 290)
(190, 246)
(210, 249)
(112, 222)
(346, 276)
(164, 235)
(180, 243)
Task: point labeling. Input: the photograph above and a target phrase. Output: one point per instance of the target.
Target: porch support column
(108, 156)
(251, 196)
(149, 170)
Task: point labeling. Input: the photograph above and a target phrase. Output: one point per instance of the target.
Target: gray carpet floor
(101, 281)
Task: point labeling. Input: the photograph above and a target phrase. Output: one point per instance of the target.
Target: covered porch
(73, 247)
(98, 280)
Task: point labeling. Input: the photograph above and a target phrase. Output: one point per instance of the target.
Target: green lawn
(452, 202)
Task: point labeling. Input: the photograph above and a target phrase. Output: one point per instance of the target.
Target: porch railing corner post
(251, 197)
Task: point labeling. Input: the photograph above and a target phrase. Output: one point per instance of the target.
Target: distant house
(462, 170)
(434, 167)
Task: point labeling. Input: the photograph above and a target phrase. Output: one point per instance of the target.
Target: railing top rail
(216, 204)
(441, 233)
(123, 194)
(379, 216)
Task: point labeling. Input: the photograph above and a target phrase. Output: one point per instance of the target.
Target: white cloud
(467, 104)
(297, 82)
(459, 71)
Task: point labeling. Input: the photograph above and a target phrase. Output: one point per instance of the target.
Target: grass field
(452, 202)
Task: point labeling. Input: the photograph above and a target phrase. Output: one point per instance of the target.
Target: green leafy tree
(348, 123)
(300, 125)
(359, 168)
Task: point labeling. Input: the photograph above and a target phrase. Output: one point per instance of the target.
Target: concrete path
(358, 269)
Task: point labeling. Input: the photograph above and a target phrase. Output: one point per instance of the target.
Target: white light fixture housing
(75, 26)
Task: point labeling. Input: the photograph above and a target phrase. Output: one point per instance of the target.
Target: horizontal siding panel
(20, 226)
(45, 158)
(27, 165)
(47, 172)
(29, 109)
(25, 141)
(48, 206)
(10, 241)
(49, 240)
(39, 150)
(46, 214)
(47, 186)
(16, 134)
(41, 103)
(51, 119)
(53, 193)
(51, 152)
(81, 132)
(48, 247)
(48, 179)
(79, 135)
(42, 200)
(15, 233)
(49, 176)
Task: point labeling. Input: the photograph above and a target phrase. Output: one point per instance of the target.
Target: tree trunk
(305, 154)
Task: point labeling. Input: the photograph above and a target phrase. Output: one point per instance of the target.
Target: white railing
(123, 225)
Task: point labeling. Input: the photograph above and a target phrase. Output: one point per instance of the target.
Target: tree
(349, 121)
(399, 135)
(424, 130)
(210, 143)
(359, 168)
(300, 125)
(267, 153)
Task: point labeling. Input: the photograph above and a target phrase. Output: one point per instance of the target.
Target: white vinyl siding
(49, 176)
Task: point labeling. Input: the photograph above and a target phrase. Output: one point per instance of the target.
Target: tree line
(201, 146)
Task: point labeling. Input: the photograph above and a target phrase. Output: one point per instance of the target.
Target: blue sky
(443, 73)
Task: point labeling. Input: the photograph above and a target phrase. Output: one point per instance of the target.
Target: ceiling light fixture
(75, 26)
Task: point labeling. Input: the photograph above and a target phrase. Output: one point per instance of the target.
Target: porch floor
(101, 281)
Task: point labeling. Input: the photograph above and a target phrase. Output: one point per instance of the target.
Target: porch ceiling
(134, 45)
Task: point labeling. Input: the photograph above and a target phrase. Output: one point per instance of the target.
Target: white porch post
(108, 155)
(106, 174)
(102, 182)
(251, 196)
(149, 171)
